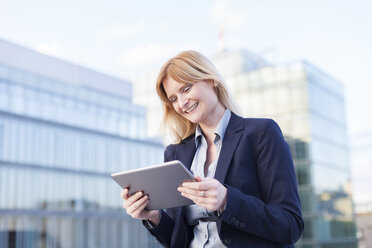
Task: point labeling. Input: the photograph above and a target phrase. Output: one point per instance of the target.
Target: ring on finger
(202, 193)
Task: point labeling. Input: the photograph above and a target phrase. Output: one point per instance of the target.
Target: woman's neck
(211, 124)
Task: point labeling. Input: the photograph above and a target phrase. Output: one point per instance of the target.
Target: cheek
(212, 98)
(176, 108)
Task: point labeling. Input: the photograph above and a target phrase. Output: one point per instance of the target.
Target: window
(1, 141)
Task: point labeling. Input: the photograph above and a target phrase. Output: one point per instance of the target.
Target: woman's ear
(214, 83)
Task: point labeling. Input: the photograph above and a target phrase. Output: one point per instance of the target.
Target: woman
(246, 191)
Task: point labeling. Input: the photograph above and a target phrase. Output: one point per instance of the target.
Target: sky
(127, 38)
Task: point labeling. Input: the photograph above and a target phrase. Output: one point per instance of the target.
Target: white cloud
(120, 31)
(151, 54)
(228, 16)
(126, 31)
(368, 65)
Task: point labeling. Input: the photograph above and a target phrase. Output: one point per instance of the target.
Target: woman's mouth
(192, 108)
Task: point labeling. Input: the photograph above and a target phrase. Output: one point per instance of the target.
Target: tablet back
(160, 182)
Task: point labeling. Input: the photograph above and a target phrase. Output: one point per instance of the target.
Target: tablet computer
(160, 182)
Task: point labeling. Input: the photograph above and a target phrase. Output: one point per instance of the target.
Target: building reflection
(309, 107)
(30, 239)
(73, 204)
(63, 130)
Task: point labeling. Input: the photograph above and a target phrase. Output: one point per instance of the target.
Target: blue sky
(125, 38)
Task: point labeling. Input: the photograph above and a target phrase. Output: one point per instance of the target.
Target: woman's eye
(187, 88)
(173, 100)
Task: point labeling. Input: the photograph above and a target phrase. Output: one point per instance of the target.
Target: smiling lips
(192, 108)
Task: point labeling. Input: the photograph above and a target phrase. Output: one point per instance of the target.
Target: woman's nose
(182, 102)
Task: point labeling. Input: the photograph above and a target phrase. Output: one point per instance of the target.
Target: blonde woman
(246, 191)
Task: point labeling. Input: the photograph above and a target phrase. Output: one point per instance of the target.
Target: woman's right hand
(135, 206)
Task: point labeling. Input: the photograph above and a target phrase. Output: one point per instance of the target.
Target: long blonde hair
(189, 67)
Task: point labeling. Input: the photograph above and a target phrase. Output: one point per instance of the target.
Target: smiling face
(197, 102)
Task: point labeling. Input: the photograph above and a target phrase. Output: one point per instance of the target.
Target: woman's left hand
(207, 193)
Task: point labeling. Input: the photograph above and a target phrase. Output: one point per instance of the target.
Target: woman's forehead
(170, 85)
(171, 82)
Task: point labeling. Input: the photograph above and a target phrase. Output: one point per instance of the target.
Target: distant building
(309, 106)
(364, 223)
(63, 130)
(362, 161)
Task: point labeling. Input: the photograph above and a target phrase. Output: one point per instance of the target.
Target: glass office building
(63, 130)
(309, 107)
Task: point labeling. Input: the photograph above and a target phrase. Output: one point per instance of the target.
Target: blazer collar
(229, 144)
(185, 153)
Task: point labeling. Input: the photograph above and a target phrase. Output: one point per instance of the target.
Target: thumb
(198, 179)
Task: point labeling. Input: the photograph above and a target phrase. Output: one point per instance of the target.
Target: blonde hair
(189, 67)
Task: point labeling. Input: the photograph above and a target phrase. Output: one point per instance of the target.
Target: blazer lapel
(185, 153)
(229, 144)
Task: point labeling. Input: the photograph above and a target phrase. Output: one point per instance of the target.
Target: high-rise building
(362, 162)
(63, 130)
(309, 106)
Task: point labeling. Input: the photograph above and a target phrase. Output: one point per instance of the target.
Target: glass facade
(309, 107)
(59, 143)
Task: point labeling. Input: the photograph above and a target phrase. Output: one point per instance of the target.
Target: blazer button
(236, 222)
(242, 225)
(232, 219)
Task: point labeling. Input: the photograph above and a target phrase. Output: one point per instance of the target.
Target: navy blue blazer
(263, 206)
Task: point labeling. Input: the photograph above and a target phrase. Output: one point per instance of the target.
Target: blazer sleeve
(277, 216)
(163, 231)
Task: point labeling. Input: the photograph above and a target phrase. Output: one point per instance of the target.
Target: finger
(192, 197)
(194, 185)
(124, 194)
(132, 199)
(139, 212)
(198, 179)
(132, 208)
(195, 198)
(201, 183)
(201, 193)
(208, 203)
(204, 185)
(191, 191)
